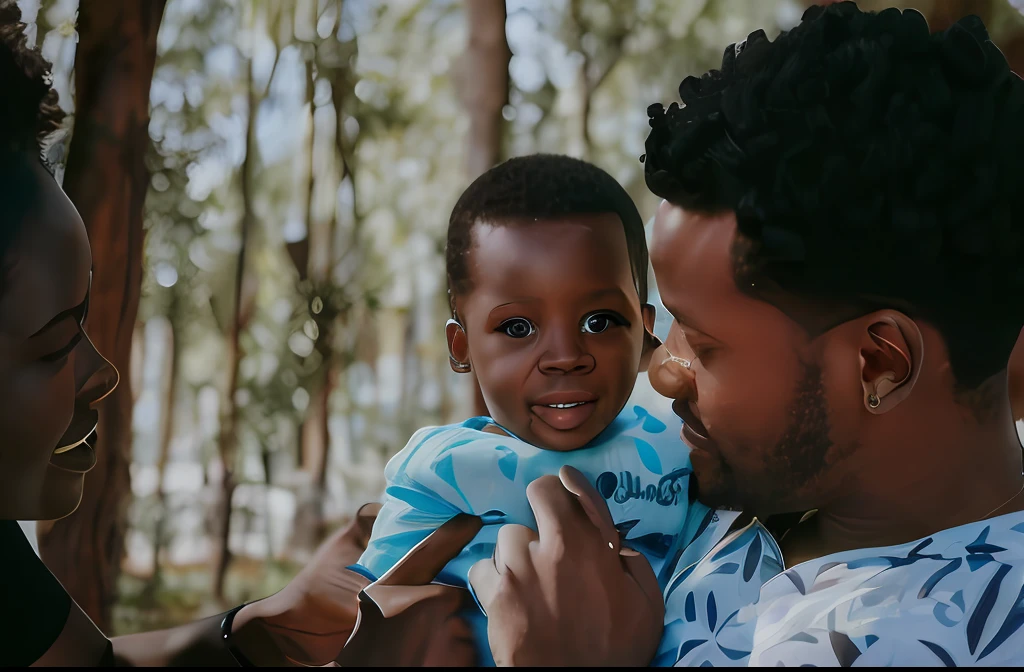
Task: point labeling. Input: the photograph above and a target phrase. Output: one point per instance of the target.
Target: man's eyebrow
(685, 320)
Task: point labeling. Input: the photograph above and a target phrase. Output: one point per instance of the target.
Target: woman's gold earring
(459, 367)
(873, 401)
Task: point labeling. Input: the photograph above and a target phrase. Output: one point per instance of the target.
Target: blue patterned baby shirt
(638, 463)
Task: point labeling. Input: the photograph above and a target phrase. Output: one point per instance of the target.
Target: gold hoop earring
(457, 366)
(874, 401)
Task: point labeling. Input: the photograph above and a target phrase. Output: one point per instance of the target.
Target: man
(841, 247)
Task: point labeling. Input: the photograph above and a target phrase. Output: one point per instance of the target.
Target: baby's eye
(597, 323)
(517, 327)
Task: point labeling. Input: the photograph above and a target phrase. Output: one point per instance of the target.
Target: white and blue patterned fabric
(638, 463)
(955, 598)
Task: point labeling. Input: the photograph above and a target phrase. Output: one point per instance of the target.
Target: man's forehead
(686, 243)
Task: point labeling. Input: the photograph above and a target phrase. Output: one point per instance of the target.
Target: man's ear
(651, 342)
(458, 347)
(891, 353)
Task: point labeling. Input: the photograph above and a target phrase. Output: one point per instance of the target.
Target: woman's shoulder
(35, 605)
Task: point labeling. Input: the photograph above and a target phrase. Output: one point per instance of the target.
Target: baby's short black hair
(869, 163)
(541, 186)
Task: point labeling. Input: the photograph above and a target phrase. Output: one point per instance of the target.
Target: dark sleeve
(35, 605)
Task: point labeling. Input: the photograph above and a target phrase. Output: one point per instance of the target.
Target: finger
(366, 516)
(561, 521)
(484, 579)
(592, 503)
(421, 564)
(394, 600)
(640, 570)
(512, 549)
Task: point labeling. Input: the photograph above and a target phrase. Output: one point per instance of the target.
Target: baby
(547, 269)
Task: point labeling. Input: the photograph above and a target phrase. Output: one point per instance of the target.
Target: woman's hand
(404, 620)
(568, 594)
(399, 620)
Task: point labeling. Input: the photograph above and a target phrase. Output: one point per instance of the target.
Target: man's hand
(568, 594)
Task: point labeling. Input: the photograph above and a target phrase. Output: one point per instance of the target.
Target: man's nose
(564, 354)
(670, 375)
(95, 377)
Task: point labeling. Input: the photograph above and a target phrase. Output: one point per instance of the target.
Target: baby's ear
(651, 342)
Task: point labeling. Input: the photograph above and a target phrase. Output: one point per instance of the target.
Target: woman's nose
(670, 375)
(95, 377)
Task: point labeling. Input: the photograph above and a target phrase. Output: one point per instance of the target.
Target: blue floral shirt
(637, 463)
(955, 598)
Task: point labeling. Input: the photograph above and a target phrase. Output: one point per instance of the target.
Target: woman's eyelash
(63, 352)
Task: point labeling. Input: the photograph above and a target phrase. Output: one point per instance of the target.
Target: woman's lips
(75, 451)
(77, 459)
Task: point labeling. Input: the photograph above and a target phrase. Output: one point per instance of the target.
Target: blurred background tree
(294, 187)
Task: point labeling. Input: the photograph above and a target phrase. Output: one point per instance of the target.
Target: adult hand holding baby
(404, 620)
(568, 594)
(398, 620)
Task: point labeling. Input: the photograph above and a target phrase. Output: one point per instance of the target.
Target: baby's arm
(411, 508)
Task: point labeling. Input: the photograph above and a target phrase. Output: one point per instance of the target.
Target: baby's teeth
(578, 403)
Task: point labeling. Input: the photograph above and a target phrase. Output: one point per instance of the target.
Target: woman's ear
(892, 349)
(651, 342)
(458, 346)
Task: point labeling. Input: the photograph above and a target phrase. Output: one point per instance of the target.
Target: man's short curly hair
(870, 164)
(29, 113)
(541, 186)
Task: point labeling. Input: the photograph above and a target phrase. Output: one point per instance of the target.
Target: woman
(52, 378)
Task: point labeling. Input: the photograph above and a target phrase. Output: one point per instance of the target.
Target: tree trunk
(244, 298)
(315, 436)
(106, 179)
(484, 90)
(166, 434)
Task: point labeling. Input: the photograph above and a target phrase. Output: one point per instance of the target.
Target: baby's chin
(563, 441)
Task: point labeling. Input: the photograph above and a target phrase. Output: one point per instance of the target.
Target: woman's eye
(599, 323)
(517, 327)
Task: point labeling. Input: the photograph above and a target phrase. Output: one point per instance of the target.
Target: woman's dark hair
(870, 164)
(28, 114)
(539, 187)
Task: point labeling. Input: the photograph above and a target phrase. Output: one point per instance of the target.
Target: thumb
(427, 558)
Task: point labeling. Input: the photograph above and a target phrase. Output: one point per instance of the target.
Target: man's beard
(796, 460)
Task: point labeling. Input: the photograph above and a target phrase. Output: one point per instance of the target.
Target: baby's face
(554, 325)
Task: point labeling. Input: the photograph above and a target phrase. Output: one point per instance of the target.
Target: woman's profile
(51, 380)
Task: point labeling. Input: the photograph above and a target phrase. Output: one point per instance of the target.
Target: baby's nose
(670, 376)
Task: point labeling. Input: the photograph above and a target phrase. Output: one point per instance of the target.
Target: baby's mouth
(565, 412)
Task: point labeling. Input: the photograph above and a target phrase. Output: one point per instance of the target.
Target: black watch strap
(225, 631)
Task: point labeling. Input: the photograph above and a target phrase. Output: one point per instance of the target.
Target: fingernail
(627, 552)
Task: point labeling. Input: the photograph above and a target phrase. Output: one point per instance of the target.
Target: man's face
(756, 400)
(554, 326)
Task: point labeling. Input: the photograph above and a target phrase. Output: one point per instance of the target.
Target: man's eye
(517, 327)
(600, 322)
